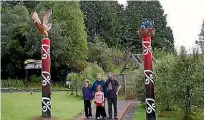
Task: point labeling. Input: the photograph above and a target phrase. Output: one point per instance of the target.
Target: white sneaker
(98, 118)
(90, 117)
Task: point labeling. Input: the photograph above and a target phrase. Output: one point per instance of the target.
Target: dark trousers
(100, 111)
(87, 108)
(112, 101)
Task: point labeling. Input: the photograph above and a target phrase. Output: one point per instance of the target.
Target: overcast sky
(185, 17)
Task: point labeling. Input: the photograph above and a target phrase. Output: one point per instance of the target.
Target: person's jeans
(87, 108)
(112, 101)
(100, 111)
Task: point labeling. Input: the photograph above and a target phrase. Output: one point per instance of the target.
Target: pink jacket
(99, 97)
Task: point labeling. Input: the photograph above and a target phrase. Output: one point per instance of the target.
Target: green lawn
(23, 106)
(169, 115)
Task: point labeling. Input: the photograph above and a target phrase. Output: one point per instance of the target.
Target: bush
(35, 78)
(91, 71)
(139, 85)
(163, 75)
(12, 83)
(179, 81)
(107, 58)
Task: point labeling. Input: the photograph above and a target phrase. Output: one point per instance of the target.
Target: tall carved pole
(46, 77)
(43, 28)
(146, 32)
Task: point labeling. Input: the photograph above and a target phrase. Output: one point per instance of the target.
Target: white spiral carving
(46, 53)
(147, 49)
(148, 78)
(151, 107)
(46, 78)
(46, 104)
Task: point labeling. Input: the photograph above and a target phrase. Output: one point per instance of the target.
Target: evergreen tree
(101, 20)
(15, 29)
(21, 40)
(202, 29)
(152, 10)
(202, 35)
(69, 43)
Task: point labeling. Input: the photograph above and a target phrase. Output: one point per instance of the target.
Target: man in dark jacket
(112, 91)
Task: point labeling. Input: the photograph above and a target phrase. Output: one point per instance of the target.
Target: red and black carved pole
(146, 34)
(46, 77)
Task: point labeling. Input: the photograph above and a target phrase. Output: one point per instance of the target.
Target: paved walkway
(129, 114)
(122, 107)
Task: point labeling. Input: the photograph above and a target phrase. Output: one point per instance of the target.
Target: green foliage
(153, 11)
(70, 20)
(139, 84)
(76, 80)
(15, 22)
(73, 76)
(101, 20)
(179, 81)
(91, 71)
(11, 83)
(202, 29)
(35, 78)
(163, 75)
(69, 39)
(21, 40)
(202, 36)
(107, 58)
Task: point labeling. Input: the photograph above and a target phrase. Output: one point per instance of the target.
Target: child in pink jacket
(99, 101)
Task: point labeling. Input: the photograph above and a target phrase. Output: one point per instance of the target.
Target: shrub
(11, 83)
(139, 85)
(91, 71)
(163, 74)
(105, 57)
(35, 78)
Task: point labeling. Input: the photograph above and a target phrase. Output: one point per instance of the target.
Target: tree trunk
(72, 90)
(188, 103)
(77, 92)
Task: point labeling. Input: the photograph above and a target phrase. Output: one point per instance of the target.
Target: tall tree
(202, 29)
(101, 20)
(202, 35)
(15, 29)
(152, 10)
(21, 40)
(69, 43)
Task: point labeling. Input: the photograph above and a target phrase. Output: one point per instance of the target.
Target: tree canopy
(105, 23)
(20, 39)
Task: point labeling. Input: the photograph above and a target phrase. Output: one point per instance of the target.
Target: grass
(23, 106)
(169, 115)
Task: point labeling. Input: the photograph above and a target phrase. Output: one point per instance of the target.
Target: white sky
(185, 18)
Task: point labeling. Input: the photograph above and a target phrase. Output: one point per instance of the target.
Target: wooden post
(146, 34)
(46, 77)
(124, 79)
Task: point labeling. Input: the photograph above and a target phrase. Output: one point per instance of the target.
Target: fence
(128, 84)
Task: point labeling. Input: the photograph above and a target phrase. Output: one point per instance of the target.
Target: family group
(100, 92)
